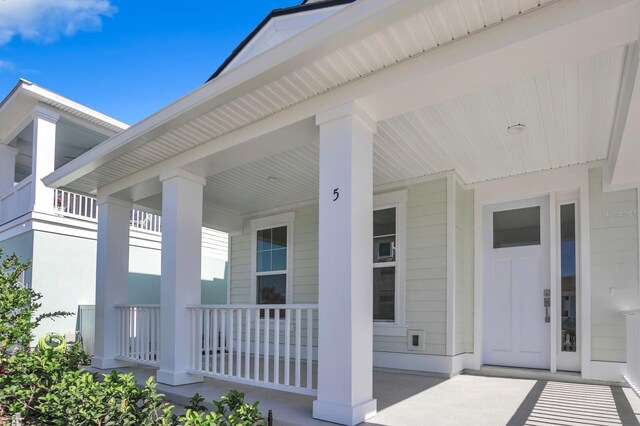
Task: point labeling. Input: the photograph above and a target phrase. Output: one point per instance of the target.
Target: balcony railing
(78, 206)
(271, 347)
(138, 336)
(16, 201)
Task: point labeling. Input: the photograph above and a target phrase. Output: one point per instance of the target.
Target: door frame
(554, 184)
(546, 243)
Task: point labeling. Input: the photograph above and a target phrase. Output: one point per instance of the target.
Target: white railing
(633, 349)
(16, 201)
(79, 206)
(271, 347)
(75, 205)
(86, 326)
(138, 336)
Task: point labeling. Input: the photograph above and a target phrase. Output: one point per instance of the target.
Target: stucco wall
(426, 267)
(614, 266)
(22, 245)
(464, 271)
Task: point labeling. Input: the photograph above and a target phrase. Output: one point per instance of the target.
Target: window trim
(397, 200)
(285, 219)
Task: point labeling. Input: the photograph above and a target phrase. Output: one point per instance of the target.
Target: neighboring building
(39, 132)
(428, 186)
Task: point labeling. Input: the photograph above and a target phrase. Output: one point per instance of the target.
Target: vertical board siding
(464, 271)
(426, 265)
(614, 266)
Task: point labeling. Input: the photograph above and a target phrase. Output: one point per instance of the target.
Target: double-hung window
(272, 239)
(388, 263)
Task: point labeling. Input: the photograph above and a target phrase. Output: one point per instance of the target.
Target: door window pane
(568, 340)
(384, 290)
(514, 228)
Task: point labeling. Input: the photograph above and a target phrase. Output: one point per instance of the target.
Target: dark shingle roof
(305, 6)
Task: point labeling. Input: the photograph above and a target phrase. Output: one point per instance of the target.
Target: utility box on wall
(415, 340)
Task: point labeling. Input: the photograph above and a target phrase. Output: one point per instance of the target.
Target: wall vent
(415, 340)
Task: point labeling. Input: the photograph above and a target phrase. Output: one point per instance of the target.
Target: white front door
(516, 328)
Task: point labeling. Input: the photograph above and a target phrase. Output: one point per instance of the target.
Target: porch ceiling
(310, 64)
(568, 110)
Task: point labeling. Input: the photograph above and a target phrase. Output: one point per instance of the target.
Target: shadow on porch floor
(403, 399)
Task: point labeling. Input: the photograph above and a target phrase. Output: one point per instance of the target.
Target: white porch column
(345, 348)
(43, 156)
(7, 167)
(112, 276)
(181, 275)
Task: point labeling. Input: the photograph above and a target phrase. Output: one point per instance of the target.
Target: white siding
(614, 266)
(426, 265)
(464, 271)
(426, 270)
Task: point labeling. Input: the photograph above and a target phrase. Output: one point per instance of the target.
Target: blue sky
(126, 59)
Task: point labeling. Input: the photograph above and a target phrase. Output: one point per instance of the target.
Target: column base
(344, 414)
(173, 378)
(107, 363)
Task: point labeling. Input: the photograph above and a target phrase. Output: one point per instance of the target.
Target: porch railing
(270, 346)
(138, 336)
(633, 349)
(79, 206)
(16, 201)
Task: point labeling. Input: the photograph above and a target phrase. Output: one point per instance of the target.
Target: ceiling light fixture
(273, 179)
(516, 129)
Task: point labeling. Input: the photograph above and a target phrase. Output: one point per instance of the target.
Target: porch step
(535, 374)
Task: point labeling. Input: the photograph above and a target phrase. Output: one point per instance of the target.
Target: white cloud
(6, 66)
(46, 20)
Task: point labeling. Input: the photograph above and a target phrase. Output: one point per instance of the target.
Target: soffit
(434, 26)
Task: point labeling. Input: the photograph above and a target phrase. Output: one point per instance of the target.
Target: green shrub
(230, 410)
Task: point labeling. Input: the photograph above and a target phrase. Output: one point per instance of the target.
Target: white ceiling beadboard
(434, 26)
(569, 113)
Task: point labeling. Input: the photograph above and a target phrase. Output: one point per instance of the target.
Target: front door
(516, 285)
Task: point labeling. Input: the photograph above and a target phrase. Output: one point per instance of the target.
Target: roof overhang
(563, 29)
(17, 107)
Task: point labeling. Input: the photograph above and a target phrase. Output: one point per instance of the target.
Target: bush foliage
(49, 387)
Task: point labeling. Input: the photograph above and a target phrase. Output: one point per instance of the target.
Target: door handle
(547, 305)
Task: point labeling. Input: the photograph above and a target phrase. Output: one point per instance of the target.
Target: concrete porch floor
(407, 399)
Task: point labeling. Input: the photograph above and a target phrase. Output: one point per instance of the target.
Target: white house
(425, 185)
(55, 229)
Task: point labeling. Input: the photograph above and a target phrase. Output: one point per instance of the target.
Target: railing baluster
(287, 347)
(207, 321)
(256, 342)
(247, 345)
(298, 338)
(223, 340)
(200, 316)
(230, 340)
(239, 345)
(266, 344)
(276, 346)
(309, 348)
(216, 343)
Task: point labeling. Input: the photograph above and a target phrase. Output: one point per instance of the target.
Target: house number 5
(336, 194)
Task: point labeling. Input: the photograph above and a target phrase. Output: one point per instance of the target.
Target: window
(272, 240)
(271, 266)
(515, 228)
(568, 338)
(388, 263)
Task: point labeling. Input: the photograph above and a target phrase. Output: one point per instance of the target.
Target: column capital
(45, 114)
(351, 109)
(180, 173)
(9, 150)
(112, 200)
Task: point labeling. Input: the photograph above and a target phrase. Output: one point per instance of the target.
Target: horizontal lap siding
(614, 266)
(426, 268)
